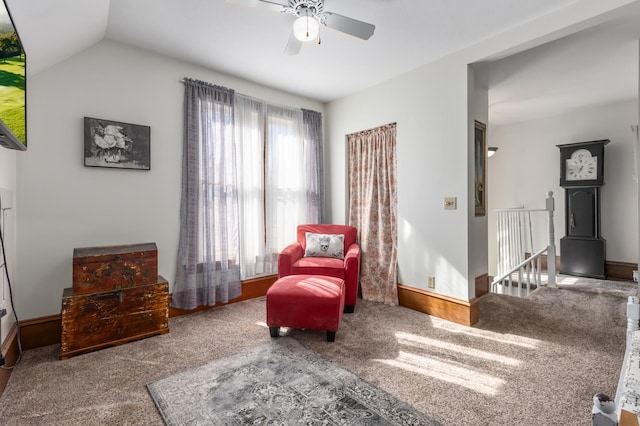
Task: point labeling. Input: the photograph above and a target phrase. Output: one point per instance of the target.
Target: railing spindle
(511, 247)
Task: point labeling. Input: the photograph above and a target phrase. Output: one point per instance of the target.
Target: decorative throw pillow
(324, 245)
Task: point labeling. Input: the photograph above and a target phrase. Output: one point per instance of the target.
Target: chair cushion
(325, 266)
(324, 245)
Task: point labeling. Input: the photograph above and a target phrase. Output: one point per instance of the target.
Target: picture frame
(114, 144)
(480, 158)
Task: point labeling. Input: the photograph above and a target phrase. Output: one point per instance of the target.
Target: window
(217, 185)
(277, 180)
(251, 173)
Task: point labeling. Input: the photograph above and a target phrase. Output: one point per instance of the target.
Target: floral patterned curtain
(373, 206)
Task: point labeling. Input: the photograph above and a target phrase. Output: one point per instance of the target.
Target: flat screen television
(13, 84)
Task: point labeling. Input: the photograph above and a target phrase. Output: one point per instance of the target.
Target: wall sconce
(491, 151)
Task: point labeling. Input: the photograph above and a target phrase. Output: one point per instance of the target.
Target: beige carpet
(535, 361)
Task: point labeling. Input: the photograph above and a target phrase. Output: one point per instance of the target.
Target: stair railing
(512, 237)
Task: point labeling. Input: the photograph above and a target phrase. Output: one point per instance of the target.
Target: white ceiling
(249, 43)
(593, 67)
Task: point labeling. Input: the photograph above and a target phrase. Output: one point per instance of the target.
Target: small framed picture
(117, 145)
(480, 156)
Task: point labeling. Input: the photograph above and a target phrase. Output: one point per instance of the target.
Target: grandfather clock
(582, 250)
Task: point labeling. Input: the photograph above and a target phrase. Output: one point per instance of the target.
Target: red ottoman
(313, 302)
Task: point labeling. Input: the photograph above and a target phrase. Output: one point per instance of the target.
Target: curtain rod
(394, 124)
(184, 80)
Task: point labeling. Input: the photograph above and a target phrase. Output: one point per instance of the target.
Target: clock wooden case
(582, 250)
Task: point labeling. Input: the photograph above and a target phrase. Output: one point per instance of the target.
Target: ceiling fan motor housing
(314, 16)
(306, 7)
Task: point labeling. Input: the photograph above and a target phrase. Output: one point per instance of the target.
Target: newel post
(551, 240)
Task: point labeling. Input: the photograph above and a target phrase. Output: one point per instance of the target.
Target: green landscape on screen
(12, 77)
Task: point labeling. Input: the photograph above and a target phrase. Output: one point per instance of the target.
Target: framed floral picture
(480, 157)
(116, 145)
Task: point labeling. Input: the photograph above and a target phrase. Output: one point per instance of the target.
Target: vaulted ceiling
(249, 43)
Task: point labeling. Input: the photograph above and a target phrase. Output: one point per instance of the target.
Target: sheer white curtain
(286, 182)
(249, 133)
(252, 172)
(280, 181)
(208, 268)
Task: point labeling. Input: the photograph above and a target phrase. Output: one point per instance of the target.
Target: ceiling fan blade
(347, 25)
(260, 4)
(293, 45)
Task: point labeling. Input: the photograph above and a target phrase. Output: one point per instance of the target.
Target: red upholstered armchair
(292, 260)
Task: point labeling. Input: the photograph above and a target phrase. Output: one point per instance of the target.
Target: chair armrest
(352, 261)
(288, 257)
(352, 251)
(351, 275)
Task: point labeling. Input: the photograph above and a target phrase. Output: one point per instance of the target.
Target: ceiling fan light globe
(306, 28)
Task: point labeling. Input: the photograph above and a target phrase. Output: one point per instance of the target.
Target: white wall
(8, 182)
(61, 204)
(479, 110)
(528, 165)
(64, 205)
(432, 106)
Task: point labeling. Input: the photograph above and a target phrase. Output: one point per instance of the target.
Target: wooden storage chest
(103, 319)
(100, 269)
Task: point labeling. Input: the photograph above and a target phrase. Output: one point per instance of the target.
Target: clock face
(581, 166)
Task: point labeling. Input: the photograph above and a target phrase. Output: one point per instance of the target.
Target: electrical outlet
(431, 282)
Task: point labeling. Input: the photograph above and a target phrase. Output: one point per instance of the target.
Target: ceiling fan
(310, 14)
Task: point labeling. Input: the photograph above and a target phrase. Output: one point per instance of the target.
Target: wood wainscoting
(256, 287)
(619, 270)
(612, 269)
(483, 282)
(464, 312)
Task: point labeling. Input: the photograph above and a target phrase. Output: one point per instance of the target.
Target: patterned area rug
(279, 382)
